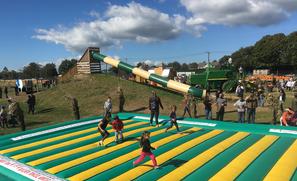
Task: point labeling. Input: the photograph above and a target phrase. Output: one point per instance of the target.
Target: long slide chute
(180, 87)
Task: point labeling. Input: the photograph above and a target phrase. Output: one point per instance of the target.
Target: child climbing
(118, 126)
(146, 150)
(173, 119)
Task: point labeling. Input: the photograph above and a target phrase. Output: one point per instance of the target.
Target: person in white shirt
(107, 107)
(240, 105)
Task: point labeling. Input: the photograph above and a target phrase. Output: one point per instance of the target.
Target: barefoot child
(102, 129)
(146, 149)
(118, 126)
(173, 119)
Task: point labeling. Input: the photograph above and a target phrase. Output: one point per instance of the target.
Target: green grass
(92, 91)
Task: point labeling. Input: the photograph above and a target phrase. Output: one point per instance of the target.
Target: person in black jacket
(6, 92)
(75, 107)
(146, 150)
(154, 106)
(31, 103)
(102, 129)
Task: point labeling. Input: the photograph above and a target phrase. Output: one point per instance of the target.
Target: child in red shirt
(118, 126)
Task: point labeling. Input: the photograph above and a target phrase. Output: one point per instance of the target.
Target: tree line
(37, 71)
(275, 52)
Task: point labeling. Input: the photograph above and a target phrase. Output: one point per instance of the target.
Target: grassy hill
(92, 91)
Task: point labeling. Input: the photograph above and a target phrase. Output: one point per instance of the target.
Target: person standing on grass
(207, 106)
(187, 105)
(282, 99)
(251, 104)
(6, 92)
(121, 99)
(173, 120)
(75, 107)
(118, 126)
(0, 92)
(146, 150)
(12, 112)
(3, 117)
(16, 90)
(273, 104)
(194, 106)
(221, 104)
(154, 106)
(219, 91)
(21, 118)
(107, 106)
(31, 103)
(102, 129)
(294, 105)
(240, 105)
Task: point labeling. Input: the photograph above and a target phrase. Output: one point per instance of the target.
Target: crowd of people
(11, 114)
(245, 106)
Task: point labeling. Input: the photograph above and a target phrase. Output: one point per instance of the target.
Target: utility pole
(207, 71)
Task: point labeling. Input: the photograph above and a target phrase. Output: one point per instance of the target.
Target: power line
(179, 56)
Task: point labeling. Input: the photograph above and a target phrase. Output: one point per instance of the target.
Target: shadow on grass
(231, 111)
(136, 110)
(33, 123)
(45, 110)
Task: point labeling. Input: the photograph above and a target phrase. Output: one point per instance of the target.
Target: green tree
(224, 60)
(269, 50)
(175, 65)
(289, 57)
(244, 57)
(193, 66)
(184, 67)
(49, 71)
(5, 73)
(33, 70)
(66, 65)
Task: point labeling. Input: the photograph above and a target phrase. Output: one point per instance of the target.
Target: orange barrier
(267, 78)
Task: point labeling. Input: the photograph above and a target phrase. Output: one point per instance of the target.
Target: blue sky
(155, 30)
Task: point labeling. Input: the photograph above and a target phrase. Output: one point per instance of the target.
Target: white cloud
(240, 12)
(133, 22)
(116, 57)
(95, 14)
